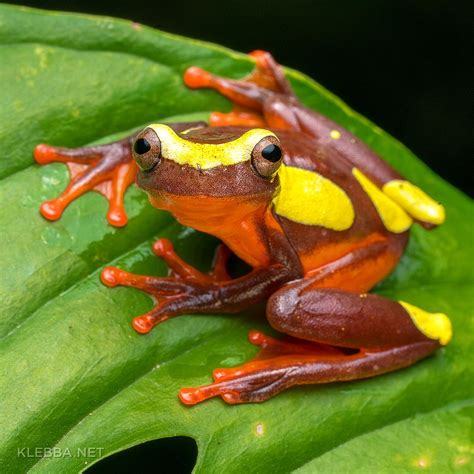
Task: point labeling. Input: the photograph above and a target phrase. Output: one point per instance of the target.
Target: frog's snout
(146, 149)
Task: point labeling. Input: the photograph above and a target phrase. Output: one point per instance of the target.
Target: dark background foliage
(404, 65)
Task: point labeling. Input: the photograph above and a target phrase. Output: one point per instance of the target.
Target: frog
(319, 218)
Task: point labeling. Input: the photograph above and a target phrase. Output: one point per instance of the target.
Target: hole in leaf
(177, 455)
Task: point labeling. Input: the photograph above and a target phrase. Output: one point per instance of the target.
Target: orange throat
(235, 220)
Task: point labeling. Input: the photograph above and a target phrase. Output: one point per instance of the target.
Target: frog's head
(215, 174)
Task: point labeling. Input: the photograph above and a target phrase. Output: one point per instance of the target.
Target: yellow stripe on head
(207, 155)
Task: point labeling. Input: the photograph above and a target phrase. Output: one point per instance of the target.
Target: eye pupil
(141, 146)
(271, 153)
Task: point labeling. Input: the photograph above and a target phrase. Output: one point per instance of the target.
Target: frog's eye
(147, 149)
(267, 157)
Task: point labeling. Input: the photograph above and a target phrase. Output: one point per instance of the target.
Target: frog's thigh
(354, 320)
(390, 336)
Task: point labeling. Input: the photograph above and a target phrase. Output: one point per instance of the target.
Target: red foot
(182, 290)
(269, 74)
(248, 95)
(263, 376)
(164, 290)
(108, 169)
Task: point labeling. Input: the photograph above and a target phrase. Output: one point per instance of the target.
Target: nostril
(141, 146)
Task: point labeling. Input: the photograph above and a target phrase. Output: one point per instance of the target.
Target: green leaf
(74, 374)
(439, 441)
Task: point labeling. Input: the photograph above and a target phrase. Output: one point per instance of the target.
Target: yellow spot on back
(335, 134)
(415, 201)
(394, 218)
(433, 325)
(308, 198)
(207, 155)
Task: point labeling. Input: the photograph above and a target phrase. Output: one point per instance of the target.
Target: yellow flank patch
(433, 325)
(415, 201)
(308, 198)
(207, 155)
(394, 218)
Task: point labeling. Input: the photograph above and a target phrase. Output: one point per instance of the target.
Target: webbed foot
(248, 95)
(277, 366)
(184, 290)
(108, 169)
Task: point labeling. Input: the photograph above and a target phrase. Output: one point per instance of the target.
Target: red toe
(162, 247)
(195, 77)
(43, 154)
(257, 337)
(51, 210)
(189, 396)
(117, 217)
(143, 324)
(110, 276)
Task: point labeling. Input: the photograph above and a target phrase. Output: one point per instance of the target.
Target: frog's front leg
(382, 336)
(187, 290)
(109, 169)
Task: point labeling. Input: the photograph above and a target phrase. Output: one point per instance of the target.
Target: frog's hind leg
(378, 335)
(248, 95)
(264, 370)
(266, 80)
